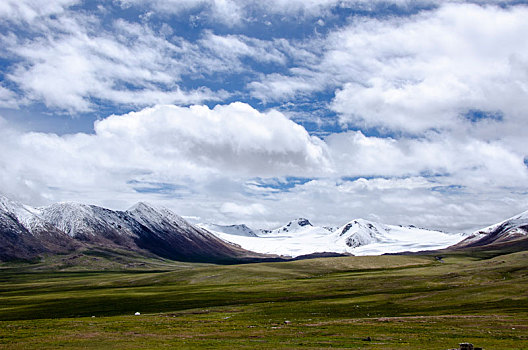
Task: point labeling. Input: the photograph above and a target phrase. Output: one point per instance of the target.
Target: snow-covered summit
(358, 237)
(76, 218)
(361, 232)
(27, 216)
(156, 217)
(23, 213)
(507, 230)
(27, 232)
(237, 230)
(297, 225)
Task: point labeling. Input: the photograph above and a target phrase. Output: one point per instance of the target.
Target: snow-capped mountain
(364, 237)
(294, 226)
(24, 235)
(166, 234)
(509, 230)
(237, 230)
(27, 232)
(358, 237)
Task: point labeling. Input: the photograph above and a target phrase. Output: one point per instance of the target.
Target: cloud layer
(213, 107)
(215, 162)
(175, 146)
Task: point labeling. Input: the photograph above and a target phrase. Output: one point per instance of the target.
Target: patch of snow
(294, 226)
(510, 227)
(237, 230)
(156, 217)
(358, 237)
(28, 216)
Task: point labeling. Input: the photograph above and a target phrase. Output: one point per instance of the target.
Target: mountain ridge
(512, 229)
(358, 237)
(27, 233)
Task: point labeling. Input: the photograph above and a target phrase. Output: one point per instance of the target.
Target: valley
(81, 276)
(398, 301)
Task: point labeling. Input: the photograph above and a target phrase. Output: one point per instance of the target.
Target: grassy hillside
(398, 301)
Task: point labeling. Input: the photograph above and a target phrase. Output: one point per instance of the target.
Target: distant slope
(510, 230)
(168, 235)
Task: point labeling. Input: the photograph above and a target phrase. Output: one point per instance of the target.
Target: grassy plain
(400, 302)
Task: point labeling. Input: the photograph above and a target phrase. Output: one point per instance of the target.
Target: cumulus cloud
(167, 145)
(468, 160)
(430, 71)
(412, 74)
(239, 12)
(233, 164)
(274, 87)
(241, 211)
(444, 95)
(73, 62)
(230, 138)
(421, 201)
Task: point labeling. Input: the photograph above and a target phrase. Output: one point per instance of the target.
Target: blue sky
(230, 111)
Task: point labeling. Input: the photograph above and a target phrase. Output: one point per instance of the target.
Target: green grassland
(400, 302)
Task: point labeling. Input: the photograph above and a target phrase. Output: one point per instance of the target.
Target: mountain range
(357, 237)
(28, 233)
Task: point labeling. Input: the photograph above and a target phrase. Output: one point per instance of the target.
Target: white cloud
(165, 144)
(203, 162)
(72, 63)
(427, 72)
(235, 47)
(132, 65)
(28, 10)
(275, 88)
(243, 211)
(412, 76)
(467, 159)
(229, 12)
(239, 12)
(424, 202)
(8, 98)
(233, 138)
(415, 73)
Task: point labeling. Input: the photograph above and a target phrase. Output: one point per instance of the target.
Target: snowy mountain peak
(511, 229)
(358, 237)
(237, 230)
(157, 217)
(79, 219)
(66, 226)
(303, 222)
(9, 206)
(142, 207)
(26, 215)
(297, 225)
(5, 203)
(356, 225)
(361, 232)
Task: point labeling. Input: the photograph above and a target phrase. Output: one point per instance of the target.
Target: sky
(258, 112)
